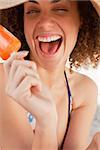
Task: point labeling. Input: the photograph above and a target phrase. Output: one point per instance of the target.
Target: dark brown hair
(87, 48)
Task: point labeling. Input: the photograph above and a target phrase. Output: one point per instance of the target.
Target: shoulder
(84, 90)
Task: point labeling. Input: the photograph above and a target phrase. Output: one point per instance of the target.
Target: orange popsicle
(8, 43)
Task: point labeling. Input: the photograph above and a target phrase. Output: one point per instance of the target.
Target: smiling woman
(84, 47)
(51, 32)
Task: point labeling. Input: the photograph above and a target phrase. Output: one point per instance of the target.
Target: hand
(96, 140)
(95, 143)
(26, 88)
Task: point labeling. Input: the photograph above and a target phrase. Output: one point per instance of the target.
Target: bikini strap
(69, 95)
(69, 108)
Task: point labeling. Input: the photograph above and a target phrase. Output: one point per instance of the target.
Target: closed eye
(61, 10)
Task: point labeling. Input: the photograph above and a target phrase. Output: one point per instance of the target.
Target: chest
(16, 130)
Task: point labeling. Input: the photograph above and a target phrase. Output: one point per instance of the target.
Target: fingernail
(22, 53)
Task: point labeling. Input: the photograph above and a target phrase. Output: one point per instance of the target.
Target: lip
(47, 34)
(38, 50)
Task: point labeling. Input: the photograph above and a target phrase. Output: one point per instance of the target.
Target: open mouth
(50, 45)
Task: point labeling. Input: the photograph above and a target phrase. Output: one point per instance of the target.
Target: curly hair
(87, 48)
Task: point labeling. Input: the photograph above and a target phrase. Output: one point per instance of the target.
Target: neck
(52, 78)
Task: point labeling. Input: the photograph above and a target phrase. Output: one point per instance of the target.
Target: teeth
(49, 39)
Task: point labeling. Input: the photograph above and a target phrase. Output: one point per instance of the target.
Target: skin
(52, 23)
(33, 85)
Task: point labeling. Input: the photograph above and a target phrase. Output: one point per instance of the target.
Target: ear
(96, 5)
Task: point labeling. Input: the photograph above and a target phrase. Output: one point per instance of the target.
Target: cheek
(71, 30)
(28, 32)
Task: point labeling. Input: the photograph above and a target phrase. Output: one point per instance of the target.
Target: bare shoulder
(84, 89)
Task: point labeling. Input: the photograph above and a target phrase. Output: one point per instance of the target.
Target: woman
(62, 119)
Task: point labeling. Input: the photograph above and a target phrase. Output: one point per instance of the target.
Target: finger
(14, 55)
(21, 73)
(24, 89)
(17, 63)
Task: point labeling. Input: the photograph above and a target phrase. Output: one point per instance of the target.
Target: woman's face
(51, 28)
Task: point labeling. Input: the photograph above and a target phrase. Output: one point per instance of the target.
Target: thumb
(19, 55)
(22, 54)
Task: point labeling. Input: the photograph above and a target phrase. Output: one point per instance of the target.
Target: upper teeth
(49, 39)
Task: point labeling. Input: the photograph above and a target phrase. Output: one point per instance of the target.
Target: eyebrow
(51, 1)
(55, 1)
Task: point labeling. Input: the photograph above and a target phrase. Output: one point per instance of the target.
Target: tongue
(49, 47)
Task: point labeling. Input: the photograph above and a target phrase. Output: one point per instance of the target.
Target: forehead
(69, 3)
(49, 0)
(52, 1)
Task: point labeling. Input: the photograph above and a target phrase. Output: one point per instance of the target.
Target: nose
(46, 22)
